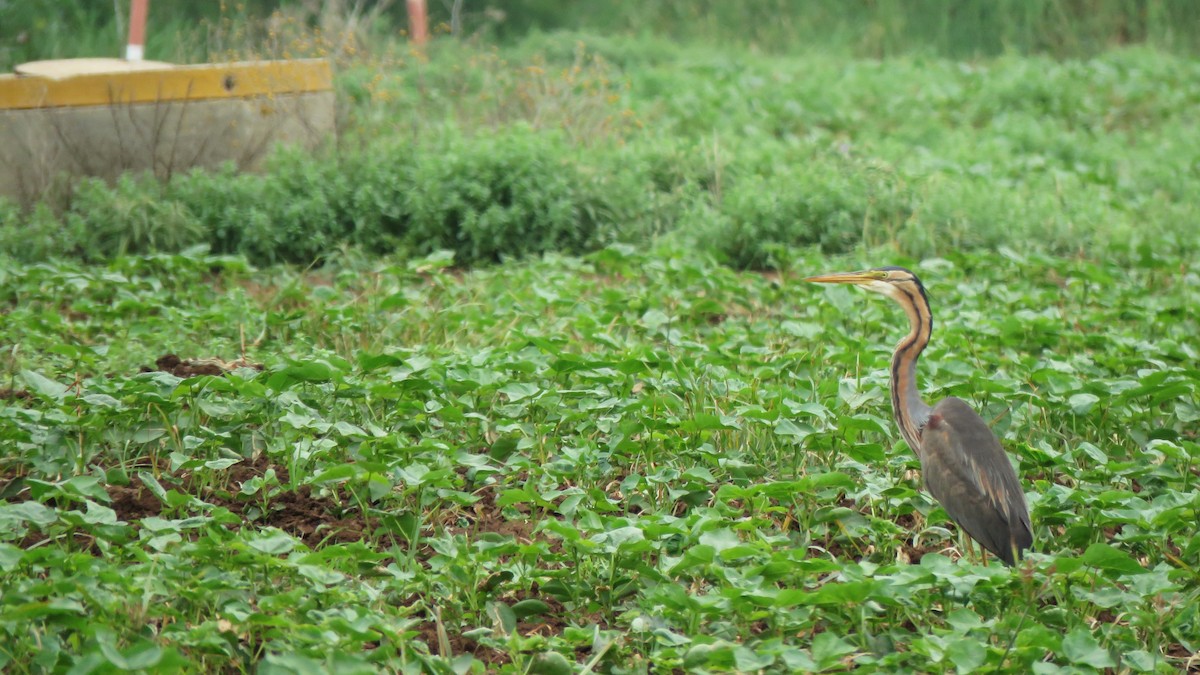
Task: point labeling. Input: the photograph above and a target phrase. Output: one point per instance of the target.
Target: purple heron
(964, 467)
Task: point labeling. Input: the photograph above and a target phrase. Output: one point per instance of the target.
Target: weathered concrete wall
(167, 130)
(166, 138)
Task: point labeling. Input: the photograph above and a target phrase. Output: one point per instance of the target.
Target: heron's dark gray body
(964, 466)
(967, 471)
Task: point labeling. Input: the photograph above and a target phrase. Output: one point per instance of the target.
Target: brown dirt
(315, 520)
(171, 363)
(312, 519)
(485, 516)
(914, 554)
(133, 502)
(9, 394)
(1189, 662)
(460, 645)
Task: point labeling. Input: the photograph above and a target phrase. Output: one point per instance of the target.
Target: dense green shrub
(295, 211)
(132, 216)
(517, 193)
(222, 200)
(376, 202)
(512, 194)
(825, 202)
(302, 214)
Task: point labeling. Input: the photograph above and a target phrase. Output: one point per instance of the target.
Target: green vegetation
(614, 460)
(518, 374)
(571, 142)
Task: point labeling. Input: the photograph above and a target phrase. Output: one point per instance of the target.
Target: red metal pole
(418, 23)
(136, 47)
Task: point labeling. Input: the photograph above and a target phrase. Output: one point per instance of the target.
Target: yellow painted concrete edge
(179, 83)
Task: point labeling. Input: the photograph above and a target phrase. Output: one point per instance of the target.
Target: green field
(520, 375)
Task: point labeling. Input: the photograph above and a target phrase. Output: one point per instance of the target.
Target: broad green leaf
(832, 479)
(311, 371)
(98, 514)
(846, 592)
(321, 575)
(32, 512)
(142, 655)
(101, 400)
(967, 654)
(1094, 453)
(40, 610)
(654, 319)
(794, 430)
(866, 423)
(156, 524)
(720, 540)
(370, 362)
(10, 557)
(148, 434)
(515, 496)
(44, 386)
(530, 607)
(551, 663)
(828, 649)
(349, 430)
(291, 664)
(516, 391)
(88, 486)
(1141, 659)
(1080, 647)
(1105, 557)
(340, 472)
(620, 536)
(502, 617)
(706, 422)
(153, 485)
(418, 363)
(694, 557)
(164, 542)
(749, 661)
(791, 597)
(1081, 404)
(272, 542)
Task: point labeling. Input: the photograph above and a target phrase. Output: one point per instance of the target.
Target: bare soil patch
(10, 394)
(180, 367)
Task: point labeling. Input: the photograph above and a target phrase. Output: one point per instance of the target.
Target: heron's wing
(968, 472)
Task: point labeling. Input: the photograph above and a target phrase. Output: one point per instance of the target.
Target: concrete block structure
(103, 117)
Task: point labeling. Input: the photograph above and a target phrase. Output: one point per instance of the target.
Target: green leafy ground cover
(623, 462)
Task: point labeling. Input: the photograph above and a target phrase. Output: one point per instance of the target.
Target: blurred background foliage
(38, 29)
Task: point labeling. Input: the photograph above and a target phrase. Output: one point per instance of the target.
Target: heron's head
(895, 282)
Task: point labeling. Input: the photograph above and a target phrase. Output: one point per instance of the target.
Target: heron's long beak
(865, 277)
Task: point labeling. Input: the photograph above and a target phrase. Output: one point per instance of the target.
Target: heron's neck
(911, 412)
